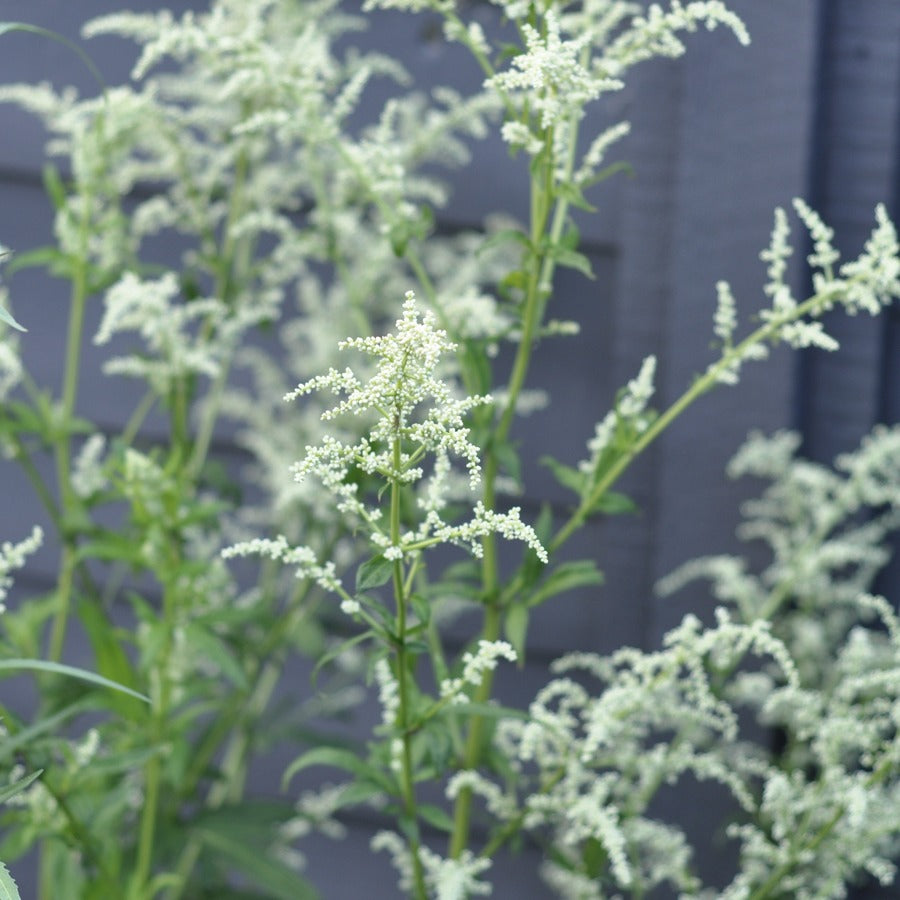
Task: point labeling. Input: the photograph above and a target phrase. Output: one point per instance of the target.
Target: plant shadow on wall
(388, 483)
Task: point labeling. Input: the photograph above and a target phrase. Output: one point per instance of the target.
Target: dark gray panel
(856, 156)
(742, 149)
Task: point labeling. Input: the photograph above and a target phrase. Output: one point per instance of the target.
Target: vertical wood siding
(719, 138)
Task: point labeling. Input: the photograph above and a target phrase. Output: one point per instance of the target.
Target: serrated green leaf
(515, 627)
(8, 889)
(18, 786)
(374, 573)
(565, 577)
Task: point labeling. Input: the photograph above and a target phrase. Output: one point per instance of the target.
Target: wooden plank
(857, 147)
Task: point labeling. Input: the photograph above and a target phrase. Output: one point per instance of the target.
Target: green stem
(701, 385)
(403, 689)
(160, 697)
(540, 272)
(62, 453)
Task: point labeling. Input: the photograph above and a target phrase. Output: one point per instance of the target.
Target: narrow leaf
(339, 759)
(566, 577)
(20, 785)
(40, 665)
(11, 743)
(485, 711)
(335, 651)
(275, 877)
(516, 628)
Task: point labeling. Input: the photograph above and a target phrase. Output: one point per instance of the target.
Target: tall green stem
(62, 452)
(404, 712)
(540, 273)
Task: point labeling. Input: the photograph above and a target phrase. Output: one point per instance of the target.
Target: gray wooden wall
(719, 138)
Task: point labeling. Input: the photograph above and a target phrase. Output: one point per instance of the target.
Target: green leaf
(8, 889)
(111, 547)
(516, 628)
(476, 365)
(436, 817)
(20, 785)
(567, 476)
(515, 279)
(335, 651)
(374, 573)
(358, 792)
(565, 577)
(11, 743)
(421, 607)
(54, 186)
(399, 237)
(571, 259)
(339, 758)
(278, 879)
(609, 170)
(41, 665)
(485, 711)
(594, 857)
(572, 193)
(508, 458)
(505, 236)
(110, 658)
(614, 504)
(214, 649)
(50, 258)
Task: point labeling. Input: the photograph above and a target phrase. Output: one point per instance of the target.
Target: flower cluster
(13, 556)
(868, 283)
(474, 667)
(630, 414)
(826, 531)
